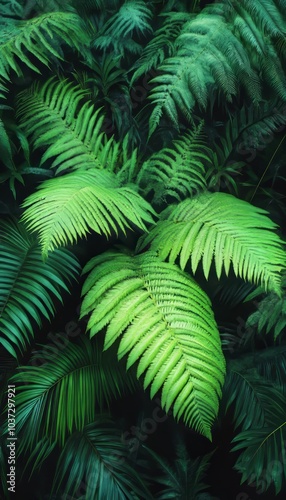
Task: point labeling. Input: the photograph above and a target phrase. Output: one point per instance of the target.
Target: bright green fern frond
(67, 207)
(221, 228)
(57, 116)
(60, 394)
(37, 37)
(165, 324)
(95, 463)
(28, 286)
(178, 172)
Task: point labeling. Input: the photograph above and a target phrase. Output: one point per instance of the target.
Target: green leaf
(28, 286)
(67, 207)
(219, 228)
(165, 324)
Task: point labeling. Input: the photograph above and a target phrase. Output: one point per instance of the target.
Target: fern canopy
(28, 285)
(165, 323)
(221, 228)
(67, 207)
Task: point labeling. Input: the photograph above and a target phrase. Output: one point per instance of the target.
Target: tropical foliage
(142, 211)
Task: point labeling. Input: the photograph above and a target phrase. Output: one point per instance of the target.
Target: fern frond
(28, 285)
(133, 17)
(221, 228)
(161, 45)
(185, 479)
(202, 58)
(67, 207)
(270, 314)
(255, 400)
(10, 8)
(56, 115)
(97, 459)
(166, 325)
(176, 172)
(35, 38)
(262, 461)
(60, 394)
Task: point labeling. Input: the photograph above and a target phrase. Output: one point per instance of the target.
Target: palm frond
(243, 237)
(62, 393)
(28, 285)
(163, 319)
(67, 207)
(95, 463)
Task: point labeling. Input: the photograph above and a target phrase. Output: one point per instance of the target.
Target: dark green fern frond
(255, 400)
(94, 462)
(60, 394)
(133, 17)
(207, 53)
(185, 479)
(270, 314)
(178, 172)
(247, 131)
(36, 37)
(262, 461)
(162, 44)
(221, 228)
(271, 365)
(10, 9)
(28, 286)
(165, 324)
(68, 207)
(59, 115)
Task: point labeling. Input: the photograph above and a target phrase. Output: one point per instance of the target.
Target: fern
(162, 44)
(52, 116)
(270, 316)
(243, 237)
(262, 461)
(67, 207)
(133, 17)
(178, 172)
(223, 48)
(163, 319)
(62, 394)
(255, 400)
(184, 479)
(28, 286)
(95, 463)
(25, 40)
